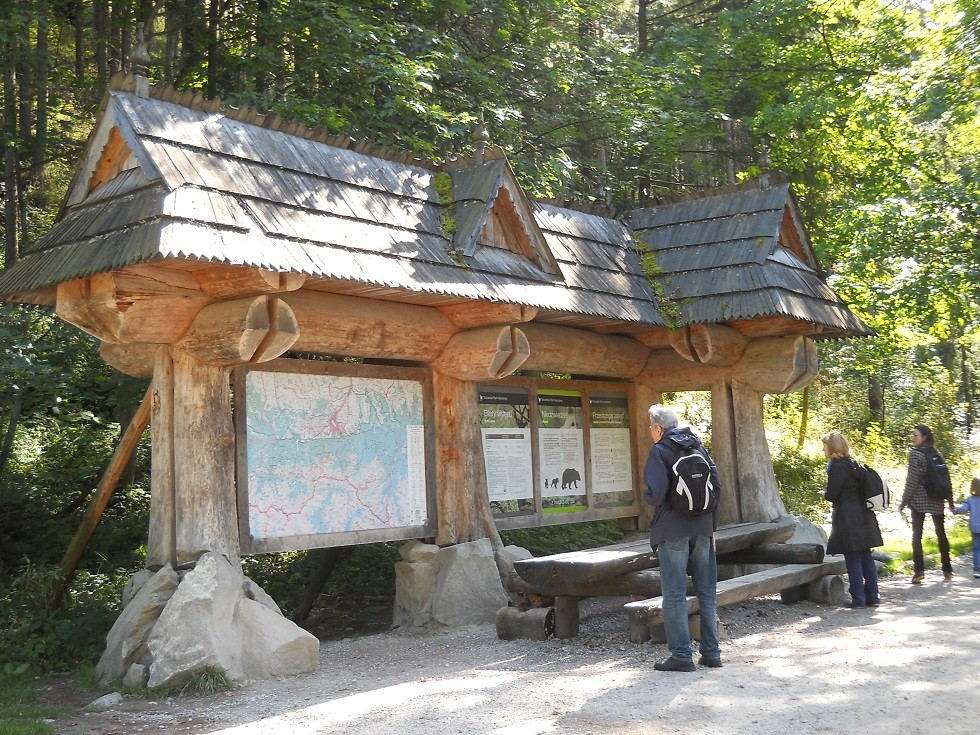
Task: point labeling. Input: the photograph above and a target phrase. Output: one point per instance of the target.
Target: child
(972, 506)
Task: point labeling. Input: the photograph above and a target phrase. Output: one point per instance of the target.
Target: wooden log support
(349, 325)
(148, 305)
(536, 624)
(644, 397)
(644, 613)
(228, 281)
(768, 365)
(756, 490)
(566, 616)
(239, 331)
(130, 358)
(591, 565)
(161, 540)
(460, 472)
(645, 583)
(775, 554)
(482, 314)
(489, 353)
(569, 350)
(709, 344)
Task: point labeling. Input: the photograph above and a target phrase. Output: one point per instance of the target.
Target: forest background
(871, 107)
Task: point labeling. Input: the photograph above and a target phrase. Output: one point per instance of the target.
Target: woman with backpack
(853, 526)
(927, 492)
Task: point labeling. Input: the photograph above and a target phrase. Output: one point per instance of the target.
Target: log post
(644, 397)
(535, 624)
(723, 451)
(460, 472)
(160, 544)
(759, 496)
(566, 616)
(205, 504)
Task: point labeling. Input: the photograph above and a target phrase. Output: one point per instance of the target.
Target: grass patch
(210, 680)
(19, 715)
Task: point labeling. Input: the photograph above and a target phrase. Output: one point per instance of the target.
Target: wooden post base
(536, 624)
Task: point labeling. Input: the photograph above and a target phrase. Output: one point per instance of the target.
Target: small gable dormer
(492, 211)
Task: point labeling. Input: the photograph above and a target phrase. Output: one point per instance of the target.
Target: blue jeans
(976, 552)
(694, 554)
(862, 577)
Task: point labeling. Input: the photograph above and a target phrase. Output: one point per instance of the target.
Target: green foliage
(802, 480)
(74, 634)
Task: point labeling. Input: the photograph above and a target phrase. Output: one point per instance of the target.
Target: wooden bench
(644, 613)
(626, 569)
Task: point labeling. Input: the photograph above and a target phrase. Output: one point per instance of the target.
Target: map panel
(333, 454)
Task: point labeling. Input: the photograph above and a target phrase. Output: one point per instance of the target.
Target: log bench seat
(644, 613)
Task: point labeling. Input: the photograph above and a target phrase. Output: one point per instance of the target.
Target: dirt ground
(909, 666)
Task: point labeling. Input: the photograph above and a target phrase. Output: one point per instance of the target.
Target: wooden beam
(131, 305)
(103, 492)
(483, 313)
(759, 496)
(226, 281)
(775, 554)
(130, 358)
(232, 332)
(576, 351)
(489, 353)
(349, 325)
(644, 397)
(645, 582)
(769, 365)
(709, 344)
(724, 451)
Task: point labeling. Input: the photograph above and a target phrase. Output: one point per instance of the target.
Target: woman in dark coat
(853, 528)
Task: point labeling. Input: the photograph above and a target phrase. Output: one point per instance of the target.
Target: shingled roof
(171, 179)
(741, 254)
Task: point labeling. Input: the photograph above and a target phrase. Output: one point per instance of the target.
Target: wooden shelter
(200, 245)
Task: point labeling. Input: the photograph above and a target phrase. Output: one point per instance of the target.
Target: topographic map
(331, 454)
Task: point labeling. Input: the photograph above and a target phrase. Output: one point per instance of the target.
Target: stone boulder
(414, 585)
(218, 618)
(807, 533)
(468, 590)
(126, 642)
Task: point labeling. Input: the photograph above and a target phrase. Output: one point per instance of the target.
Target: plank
(591, 565)
(739, 589)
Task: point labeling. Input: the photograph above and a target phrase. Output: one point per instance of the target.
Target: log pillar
(460, 472)
(193, 506)
(739, 448)
(644, 397)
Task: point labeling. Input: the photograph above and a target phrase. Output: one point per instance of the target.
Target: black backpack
(936, 480)
(693, 492)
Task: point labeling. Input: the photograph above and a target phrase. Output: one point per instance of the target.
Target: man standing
(684, 542)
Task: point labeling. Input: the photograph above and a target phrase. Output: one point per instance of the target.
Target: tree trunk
(100, 30)
(804, 417)
(10, 164)
(876, 399)
(8, 439)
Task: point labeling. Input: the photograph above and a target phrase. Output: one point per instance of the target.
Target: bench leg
(566, 617)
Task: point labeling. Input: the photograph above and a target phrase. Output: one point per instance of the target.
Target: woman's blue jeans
(976, 552)
(862, 577)
(694, 555)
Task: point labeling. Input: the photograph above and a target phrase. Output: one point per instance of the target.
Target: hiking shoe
(853, 604)
(948, 576)
(976, 575)
(711, 663)
(917, 579)
(674, 664)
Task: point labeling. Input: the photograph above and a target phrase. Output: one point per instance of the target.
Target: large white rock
(414, 585)
(468, 590)
(415, 550)
(807, 533)
(218, 617)
(126, 642)
(273, 645)
(509, 554)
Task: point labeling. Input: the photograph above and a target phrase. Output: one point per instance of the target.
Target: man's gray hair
(663, 417)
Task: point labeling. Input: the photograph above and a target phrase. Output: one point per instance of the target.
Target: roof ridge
(775, 179)
(195, 100)
(596, 209)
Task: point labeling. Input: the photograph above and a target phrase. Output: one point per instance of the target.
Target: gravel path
(909, 666)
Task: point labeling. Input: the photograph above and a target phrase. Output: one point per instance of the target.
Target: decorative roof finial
(764, 164)
(140, 61)
(481, 137)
